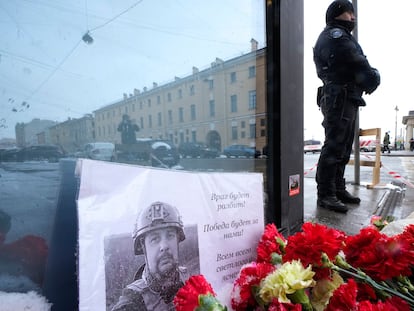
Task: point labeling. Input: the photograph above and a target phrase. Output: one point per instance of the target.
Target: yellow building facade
(221, 105)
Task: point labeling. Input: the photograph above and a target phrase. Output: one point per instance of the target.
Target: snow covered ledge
(30, 301)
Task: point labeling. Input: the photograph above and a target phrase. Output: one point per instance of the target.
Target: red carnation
(344, 297)
(242, 295)
(269, 243)
(275, 305)
(391, 304)
(308, 246)
(408, 235)
(187, 297)
(378, 255)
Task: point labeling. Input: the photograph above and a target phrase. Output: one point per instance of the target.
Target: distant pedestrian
(386, 142)
(411, 144)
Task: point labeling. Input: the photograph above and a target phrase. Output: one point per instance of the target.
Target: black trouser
(339, 124)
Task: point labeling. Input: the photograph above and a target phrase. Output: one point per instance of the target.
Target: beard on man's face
(166, 264)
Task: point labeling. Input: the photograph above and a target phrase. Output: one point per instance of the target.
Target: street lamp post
(395, 137)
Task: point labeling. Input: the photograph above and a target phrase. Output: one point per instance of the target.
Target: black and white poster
(137, 224)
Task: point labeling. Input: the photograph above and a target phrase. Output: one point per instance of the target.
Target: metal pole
(395, 137)
(356, 135)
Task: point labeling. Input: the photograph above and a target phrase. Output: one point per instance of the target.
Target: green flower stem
(366, 278)
(300, 297)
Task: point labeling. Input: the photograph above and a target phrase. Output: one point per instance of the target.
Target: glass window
(150, 121)
(212, 108)
(233, 103)
(68, 80)
(170, 117)
(252, 100)
(181, 114)
(159, 118)
(252, 130)
(252, 71)
(232, 77)
(234, 132)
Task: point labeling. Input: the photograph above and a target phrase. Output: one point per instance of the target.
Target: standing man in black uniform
(346, 75)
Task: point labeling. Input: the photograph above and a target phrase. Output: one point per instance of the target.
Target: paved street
(390, 197)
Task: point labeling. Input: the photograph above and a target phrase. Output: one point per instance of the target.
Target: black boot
(345, 197)
(332, 203)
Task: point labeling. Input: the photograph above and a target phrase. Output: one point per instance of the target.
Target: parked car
(367, 145)
(164, 153)
(51, 153)
(9, 155)
(312, 146)
(103, 151)
(197, 149)
(241, 151)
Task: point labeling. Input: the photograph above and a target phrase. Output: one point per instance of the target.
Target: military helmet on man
(156, 216)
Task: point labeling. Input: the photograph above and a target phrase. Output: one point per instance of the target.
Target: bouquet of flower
(319, 268)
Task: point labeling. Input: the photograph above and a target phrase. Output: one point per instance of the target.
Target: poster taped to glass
(144, 231)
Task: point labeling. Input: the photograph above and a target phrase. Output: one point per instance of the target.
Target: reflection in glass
(188, 76)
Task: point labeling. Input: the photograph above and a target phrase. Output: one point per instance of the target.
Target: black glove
(376, 81)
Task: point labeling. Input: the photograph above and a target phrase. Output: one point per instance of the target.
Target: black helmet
(338, 7)
(157, 215)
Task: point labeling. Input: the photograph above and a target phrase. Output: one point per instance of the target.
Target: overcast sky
(383, 33)
(45, 64)
(48, 72)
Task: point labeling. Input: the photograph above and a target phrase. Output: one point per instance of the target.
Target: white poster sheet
(222, 214)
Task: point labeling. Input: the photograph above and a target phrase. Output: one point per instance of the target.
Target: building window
(170, 117)
(180, 93)
(193, 112)
(181, 114)
(159, 119)
(262, 133)
(169, 97)
(253, 130)
(233, 77)
(150, 121)
(181, 137)
(252, 100)
(233, 103)
(243, 124)
(212, 108)
(252, 71)
(192, 90)
(142, 122)
(158, 99)
(140, 105)
(149, 102)
(133, 107)
(210, 84)
(193, 136)
(243, 134)
(234, 132)
(262, 122)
